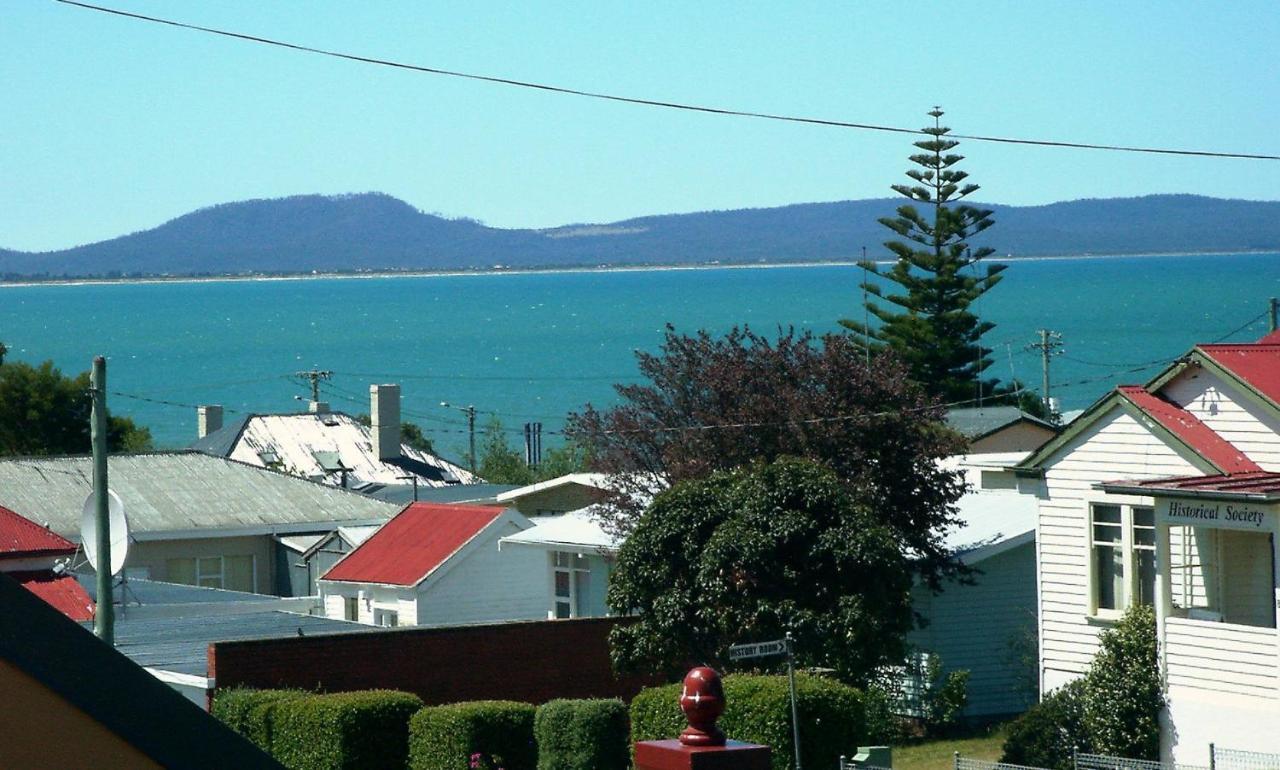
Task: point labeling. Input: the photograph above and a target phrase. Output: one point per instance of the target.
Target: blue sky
(112, 125)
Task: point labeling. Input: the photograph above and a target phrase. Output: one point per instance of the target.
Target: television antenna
(117, 526)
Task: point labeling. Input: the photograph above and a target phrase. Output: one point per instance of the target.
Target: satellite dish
(118, 526)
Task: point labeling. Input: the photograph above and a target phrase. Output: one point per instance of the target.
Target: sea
(530, 347)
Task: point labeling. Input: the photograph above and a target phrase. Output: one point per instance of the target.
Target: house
(304, 558)
(570, 492)
(329, 447)
(1000, 429)
(438, 564)
(578, 556)
(1169, 494)
(72, 701)
(997, 542)
(193, 518)
(35, 557)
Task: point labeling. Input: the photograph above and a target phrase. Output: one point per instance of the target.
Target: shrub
(250, 712)
(344, 730)
(582, 735)
(758, 709)
(1047, 735)
(1123, 694)
(450, 737)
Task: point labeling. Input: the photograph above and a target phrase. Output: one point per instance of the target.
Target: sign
(758, 650)
(1221, 514)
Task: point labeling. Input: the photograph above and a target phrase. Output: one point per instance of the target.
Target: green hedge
(250, 712)
(582, 735)
(365, 729)
(758, 709)
(445, 737)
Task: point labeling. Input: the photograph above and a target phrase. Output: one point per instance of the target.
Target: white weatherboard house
(1169, 494)
(578, 556)
(438, 564)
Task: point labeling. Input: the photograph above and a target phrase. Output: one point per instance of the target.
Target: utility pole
(104, 615)
(470, 412)
(315, 376)
(1048, 346)
(1275, 311)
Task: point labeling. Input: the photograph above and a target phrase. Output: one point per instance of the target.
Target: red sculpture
(702, 700)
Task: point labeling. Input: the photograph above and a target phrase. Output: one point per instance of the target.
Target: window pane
(1109, 514)
(210, 565)
(1146, 577)
(181, 571)
(562, 610)
(1106, 533)
(352, 608)
(238, 573)
(1144, 537)
(562, 559)
(581, 591)
(562, 584)
(1144, 517)
(1109, 576)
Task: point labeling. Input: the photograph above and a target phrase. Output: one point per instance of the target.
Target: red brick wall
(534, 662)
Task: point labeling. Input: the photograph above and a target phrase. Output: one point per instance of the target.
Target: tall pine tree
(938, 276)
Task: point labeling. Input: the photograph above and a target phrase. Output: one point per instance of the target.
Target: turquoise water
(532, 346)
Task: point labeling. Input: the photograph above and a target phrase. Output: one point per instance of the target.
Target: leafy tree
(715, 404)
(43, 412)
(500, 463)
(938, 278)
(753, 553)
(410, 434)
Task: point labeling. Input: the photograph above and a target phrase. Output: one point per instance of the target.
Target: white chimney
(384, 415)
(208, 419)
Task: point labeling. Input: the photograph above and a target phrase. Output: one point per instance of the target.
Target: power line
(655, 102)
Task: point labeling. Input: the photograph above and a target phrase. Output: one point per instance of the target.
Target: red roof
(63, 592)
(1271, 339)
(23, 537)
(1261, 484)
(1200, 437)
(1257, 364)
(410, 546)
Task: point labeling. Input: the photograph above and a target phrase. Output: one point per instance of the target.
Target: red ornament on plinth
(702, 745)
(702, 701)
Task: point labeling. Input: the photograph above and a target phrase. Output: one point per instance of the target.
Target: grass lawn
(937, 755)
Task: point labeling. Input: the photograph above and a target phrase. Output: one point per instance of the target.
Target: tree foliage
(501, 463)
(44, 412)
(753, 553)
(927, 320)
(411, 434)
(719, 403)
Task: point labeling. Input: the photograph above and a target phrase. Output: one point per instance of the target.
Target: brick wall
(534, 661)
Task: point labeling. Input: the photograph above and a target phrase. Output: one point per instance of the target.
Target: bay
(531, 346)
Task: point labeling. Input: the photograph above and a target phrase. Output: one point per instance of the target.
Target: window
(351, 608)
(386, 618)
(569, 586)
(1123, 555)
(1222, 576)
(233, 573)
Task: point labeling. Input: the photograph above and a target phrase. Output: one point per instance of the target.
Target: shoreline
(500, 271)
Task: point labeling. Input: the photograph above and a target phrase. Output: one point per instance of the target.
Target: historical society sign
(1214, 513)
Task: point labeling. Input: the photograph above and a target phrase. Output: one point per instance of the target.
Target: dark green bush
(758, 709)
(343, 731)
(1046, 735)
(582, 735)
(250, 712)
(446, 737)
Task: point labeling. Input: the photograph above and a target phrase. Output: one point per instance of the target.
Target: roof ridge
(1190, 430)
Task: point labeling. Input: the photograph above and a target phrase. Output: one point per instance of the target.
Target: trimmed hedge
(446, 737)
(250, 712)
(758, 709)
(344, 730)
(582, 735)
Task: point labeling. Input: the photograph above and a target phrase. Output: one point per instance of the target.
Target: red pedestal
(674, 755)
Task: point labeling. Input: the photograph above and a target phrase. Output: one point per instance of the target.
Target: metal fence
(1235, 759)
(966, 763)
(1103, 762)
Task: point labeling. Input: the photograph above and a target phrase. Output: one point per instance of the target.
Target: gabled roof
(1257, 366)
(20, 536)
(407, 549)
(575, 530)
(978, 423)
(592, 480)
(62, 592)
(1197, 436)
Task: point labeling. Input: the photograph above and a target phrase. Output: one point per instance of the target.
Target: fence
(1235, 759)
(1219, 759)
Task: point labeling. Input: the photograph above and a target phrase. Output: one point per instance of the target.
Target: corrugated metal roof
(592, 480)
(220, 442)
(19, 536)
(62, 592)
(402, 494)
(573, 530)
(166, 492)
(1199, 437)
(1257, 364)
(1261, 484)
(981, 421)
(407, 549)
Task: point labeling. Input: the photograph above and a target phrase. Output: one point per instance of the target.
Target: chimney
(318, 407)
(208, 419)
(384, 415)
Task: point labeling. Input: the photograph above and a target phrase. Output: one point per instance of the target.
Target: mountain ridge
(371, 232)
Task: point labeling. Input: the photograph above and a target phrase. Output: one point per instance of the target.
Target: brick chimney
(208, 419)
(384, 415)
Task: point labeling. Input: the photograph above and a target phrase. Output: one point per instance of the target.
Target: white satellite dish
(118, 526)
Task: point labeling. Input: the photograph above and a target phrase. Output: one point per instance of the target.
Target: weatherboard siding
(1117, 446)
(1228, 412)
(999, 652)
(487, 584)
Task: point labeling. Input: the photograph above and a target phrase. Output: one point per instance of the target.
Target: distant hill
(372, 231)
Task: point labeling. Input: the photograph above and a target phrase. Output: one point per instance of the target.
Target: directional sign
(758, 650)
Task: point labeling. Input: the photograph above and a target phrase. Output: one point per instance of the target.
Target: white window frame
(1128, 549)
(381, 617)
(350, 603)
(574, 600)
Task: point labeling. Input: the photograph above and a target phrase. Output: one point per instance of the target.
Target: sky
(109, 125)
